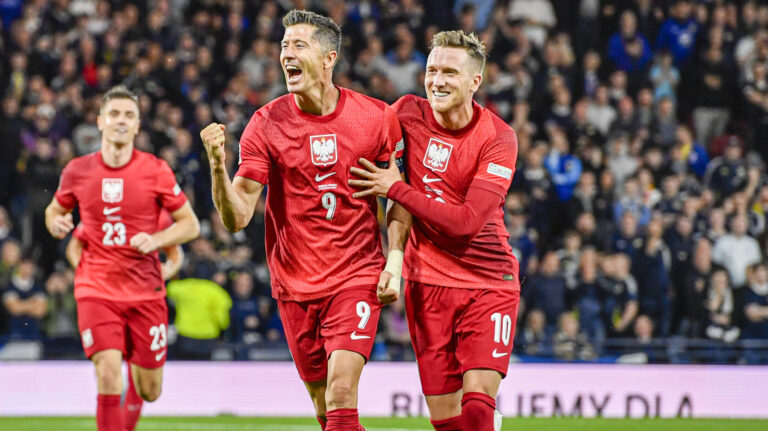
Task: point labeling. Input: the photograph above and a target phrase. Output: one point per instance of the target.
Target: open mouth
(293, 73)
(440, 93)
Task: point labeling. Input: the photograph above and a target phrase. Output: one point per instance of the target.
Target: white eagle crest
(324, 149)
(437, 155)
(112, 190)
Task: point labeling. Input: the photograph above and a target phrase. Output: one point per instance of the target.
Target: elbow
(465, 232)
(195, 229)
(232, 224)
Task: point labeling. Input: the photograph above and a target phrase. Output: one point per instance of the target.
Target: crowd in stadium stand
(637, 211)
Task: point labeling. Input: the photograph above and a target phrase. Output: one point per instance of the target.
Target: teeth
(292, 68)
(440, 93)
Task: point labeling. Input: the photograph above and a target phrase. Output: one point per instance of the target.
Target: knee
(109, 377)
(340, 394)
(150, 390)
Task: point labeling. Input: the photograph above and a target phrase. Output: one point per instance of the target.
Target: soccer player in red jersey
(462, 291)
(323, 246)
(120, 293)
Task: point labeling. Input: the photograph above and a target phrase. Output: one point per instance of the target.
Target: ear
(476, 81)
(330, 59)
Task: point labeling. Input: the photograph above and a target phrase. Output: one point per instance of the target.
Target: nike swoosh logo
(496, 354)
(428, 180)
(110, 211)
(160, 355)
(319, 178)
(354, 336)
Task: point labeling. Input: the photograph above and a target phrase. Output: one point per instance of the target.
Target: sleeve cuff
(489, 186)
(397, 190)
(252, 174)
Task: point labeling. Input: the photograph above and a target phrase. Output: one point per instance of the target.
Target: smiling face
(119, 121)
(304, 59)
(451, 79)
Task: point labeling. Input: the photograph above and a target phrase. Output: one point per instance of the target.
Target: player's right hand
(214, 137)
(388, 289)
(61, 225)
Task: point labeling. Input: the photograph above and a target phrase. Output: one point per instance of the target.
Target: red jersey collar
(103, 163)
(322, 118)
(476, 112)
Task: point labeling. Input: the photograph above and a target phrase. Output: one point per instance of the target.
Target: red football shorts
(138, 329)
(457, 330)
(346, 320)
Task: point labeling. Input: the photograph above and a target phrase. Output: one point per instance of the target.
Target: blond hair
(458, 39)
(119, 92)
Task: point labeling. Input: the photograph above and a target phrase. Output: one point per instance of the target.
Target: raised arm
(235, 200)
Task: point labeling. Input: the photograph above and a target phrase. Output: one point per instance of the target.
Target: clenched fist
(61, 225)
(214, 137)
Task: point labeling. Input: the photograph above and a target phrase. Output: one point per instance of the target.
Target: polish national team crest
(437, 155)
(323, 148)
(112, 190)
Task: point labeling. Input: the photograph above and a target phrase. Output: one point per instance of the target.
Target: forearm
(630, 312)
(231, 206)
(460, 222)
(74, 251)
(180, 232)
(398, 226)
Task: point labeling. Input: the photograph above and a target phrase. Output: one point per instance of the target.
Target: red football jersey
(115, 204)
(318, 238)
(442, 163)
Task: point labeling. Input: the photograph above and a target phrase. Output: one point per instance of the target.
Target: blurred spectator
(533, 339)
(25, 300)
(650, 266)
(546, 290)
(620, 303)
(628, 49)
(538, 17)
(727, 174)
(664, 76)
(721, 307)
(678, 33)
(61, 315)
(569, 343)
(245, 310)
(736, 251)
(202, 312)
(756, 304)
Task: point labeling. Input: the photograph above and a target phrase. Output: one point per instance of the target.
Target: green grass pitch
(231, 423)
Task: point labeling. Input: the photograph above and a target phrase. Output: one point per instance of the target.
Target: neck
(319, 100)
(455, 119)
(116, 155)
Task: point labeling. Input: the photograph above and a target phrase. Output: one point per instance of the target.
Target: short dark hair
(326, 32)
(119, 92)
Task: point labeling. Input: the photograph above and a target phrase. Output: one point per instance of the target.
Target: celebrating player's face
(119, 121)
(451, 78)
(302, 58)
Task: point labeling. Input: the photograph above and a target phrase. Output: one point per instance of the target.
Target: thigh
(432, 312)
(101, 324)
(349, 320)
(147, 341)
(302, 332)
(486, 330)
(146, 378)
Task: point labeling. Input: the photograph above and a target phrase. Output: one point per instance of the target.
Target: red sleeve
(392, 140)
(254, 155)
(164, 220)
(497, 163)
(460, 222)
(169, 192)
(65, 194)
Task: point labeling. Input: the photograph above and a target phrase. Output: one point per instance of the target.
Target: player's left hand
(388, 289)
(378, 181)
(144, 243)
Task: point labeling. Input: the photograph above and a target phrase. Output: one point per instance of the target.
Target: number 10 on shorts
(503, 328)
